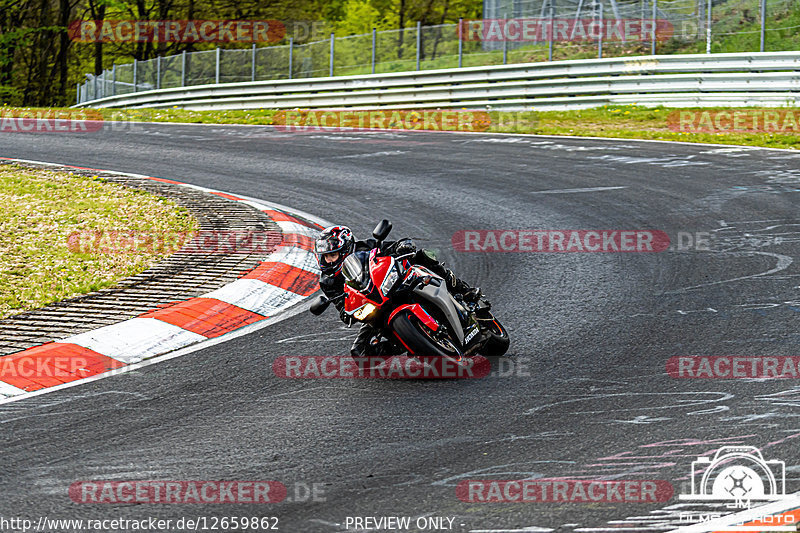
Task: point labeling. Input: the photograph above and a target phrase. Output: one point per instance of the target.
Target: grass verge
(41, 209)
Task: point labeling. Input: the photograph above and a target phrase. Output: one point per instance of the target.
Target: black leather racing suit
(333, 286)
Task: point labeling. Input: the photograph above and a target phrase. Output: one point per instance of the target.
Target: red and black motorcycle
(411, 306)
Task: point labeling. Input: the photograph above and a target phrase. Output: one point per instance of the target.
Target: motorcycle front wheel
(421, 341)
(498, 340)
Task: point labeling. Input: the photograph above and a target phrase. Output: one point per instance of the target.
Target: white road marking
(528, 529)
(586, 189)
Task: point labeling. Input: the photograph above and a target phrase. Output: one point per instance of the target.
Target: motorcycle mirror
(320, 305)
(382, 230)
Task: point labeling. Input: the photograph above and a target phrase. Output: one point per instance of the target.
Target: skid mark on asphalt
(498, 471)
(666, 162)
(316, 337)
(783, 262)
(692, 399)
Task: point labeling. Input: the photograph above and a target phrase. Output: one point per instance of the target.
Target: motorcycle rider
(333, 246)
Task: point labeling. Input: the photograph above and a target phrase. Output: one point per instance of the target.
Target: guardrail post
(655, 25)
(419, 40)
(253, 65)
(158, 72)
(708, 27)
(374, 39)
(113, 79)
(460, 42)
(331, 68)
(763, 21)
(550, 32)
(183, 68)
(216, 75)
(291, 47)
(135, 73)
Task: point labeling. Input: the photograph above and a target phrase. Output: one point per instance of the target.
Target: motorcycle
(412, 307)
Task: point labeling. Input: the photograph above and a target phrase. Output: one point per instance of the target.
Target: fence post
(78, 94)
(708, 28)
(763, 21)
(550, 30)
(135, 75)
(291, 48)
(331, 69)
(419, 41)
(183, 68)
(505, 40)
(600, 40)
(95, 87)
(113, 79)
(655, 26)
(253, 64)
(374, 39)
(158, 72)
(460, 42)
(216, 73)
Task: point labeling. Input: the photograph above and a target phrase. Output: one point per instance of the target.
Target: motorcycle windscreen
(353, 272)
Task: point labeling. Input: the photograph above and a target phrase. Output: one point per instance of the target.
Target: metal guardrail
(765, 78)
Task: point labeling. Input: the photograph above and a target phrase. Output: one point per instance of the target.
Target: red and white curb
(285, 278)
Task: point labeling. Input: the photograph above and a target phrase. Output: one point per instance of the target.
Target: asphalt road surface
(584, 392)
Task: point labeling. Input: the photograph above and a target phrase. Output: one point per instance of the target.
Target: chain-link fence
(678, 26)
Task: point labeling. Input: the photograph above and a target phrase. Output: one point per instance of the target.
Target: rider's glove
(347, 319)
(406, 246)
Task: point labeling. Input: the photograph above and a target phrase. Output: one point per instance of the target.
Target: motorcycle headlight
(389, 281)
(364, 312)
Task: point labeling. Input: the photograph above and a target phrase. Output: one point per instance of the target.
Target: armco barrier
(758, 79)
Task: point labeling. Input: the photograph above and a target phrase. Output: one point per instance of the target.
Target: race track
(584, 392)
